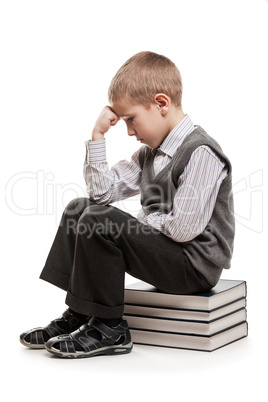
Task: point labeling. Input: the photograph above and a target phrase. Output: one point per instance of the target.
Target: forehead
(126, 109)
(122, 109)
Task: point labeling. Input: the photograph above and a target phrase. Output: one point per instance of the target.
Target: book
(177, 313)
(194, 342)
(225, 292)
(205, 321)
(186, 326)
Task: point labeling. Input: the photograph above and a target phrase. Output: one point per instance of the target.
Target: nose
(130, 131)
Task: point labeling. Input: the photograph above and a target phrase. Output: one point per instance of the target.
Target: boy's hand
(106, 119)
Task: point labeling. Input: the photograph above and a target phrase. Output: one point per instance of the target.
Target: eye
(130, 120)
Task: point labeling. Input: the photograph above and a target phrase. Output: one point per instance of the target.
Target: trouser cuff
(93, 309)
(55, 278)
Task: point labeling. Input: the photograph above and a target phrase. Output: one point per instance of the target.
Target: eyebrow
(126, 116)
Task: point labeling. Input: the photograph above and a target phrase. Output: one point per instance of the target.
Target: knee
(77, 205)
(93, 221)
(94, 212)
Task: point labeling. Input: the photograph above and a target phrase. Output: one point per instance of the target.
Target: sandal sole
(32, 346)
(108, 350)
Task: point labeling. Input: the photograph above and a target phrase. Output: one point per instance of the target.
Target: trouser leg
(110, 242)
(59, 263)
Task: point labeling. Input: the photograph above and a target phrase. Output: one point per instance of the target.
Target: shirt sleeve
(104, 185)
(195, 199)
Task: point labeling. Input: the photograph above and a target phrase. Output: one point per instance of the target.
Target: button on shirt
(197, 191)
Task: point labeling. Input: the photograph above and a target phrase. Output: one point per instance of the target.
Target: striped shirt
(197, 191)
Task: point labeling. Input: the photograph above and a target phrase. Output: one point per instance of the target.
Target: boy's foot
(85, 343)
(67, 323)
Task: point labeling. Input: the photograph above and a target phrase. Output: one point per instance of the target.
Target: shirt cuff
(96, 151)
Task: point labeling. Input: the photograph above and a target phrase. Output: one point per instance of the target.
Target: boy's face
(147, 125)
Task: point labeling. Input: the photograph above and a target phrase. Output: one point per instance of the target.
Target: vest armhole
(142, 155)
(186, 153)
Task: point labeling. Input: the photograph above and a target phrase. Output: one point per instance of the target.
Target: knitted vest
(212, 250)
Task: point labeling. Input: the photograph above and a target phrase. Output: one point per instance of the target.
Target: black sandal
(113, 340)
(37, 337)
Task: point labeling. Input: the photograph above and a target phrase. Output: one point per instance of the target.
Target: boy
(181, 239)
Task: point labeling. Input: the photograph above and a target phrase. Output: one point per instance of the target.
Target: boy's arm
(106, 185)
(195, 198)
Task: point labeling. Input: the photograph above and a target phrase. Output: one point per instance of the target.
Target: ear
(163, 103)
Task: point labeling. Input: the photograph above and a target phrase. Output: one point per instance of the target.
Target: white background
(57, 60)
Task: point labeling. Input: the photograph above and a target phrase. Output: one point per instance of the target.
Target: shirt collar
(175, 138)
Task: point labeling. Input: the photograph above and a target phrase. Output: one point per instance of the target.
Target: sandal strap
(70, 318)
(87, 342)
(67, 347)
(36, 337)
(53, 329)
(80, 336)
(110, 333)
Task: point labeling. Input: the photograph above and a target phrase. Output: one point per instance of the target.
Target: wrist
(97, 136)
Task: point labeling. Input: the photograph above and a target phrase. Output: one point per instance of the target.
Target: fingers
(114, 119)
(106, 119)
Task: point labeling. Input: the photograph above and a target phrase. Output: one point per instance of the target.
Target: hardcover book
(195, 342)
(225, 292)
(183, 314)
(187, 326)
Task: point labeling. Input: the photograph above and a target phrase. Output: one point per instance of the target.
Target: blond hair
(143, 76)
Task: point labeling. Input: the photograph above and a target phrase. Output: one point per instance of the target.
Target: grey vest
(212, 250)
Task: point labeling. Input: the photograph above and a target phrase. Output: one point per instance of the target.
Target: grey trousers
(96, 245)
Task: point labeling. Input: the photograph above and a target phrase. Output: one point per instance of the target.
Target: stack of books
(204, 321)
